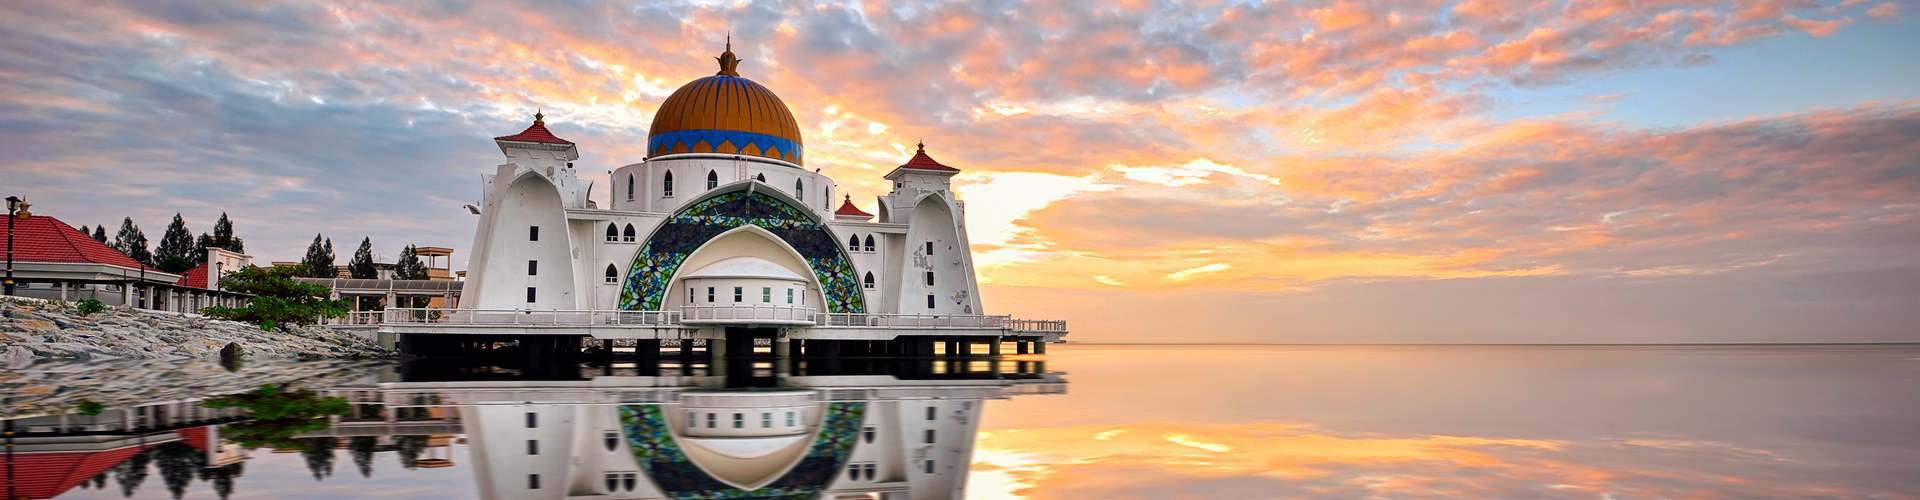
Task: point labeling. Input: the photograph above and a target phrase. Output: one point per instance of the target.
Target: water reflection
(879, 428)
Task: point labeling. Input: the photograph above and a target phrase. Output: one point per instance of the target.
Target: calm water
(1091, 422)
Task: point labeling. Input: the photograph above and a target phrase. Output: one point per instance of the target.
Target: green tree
(223, 235)
(319, 260)
(133, 242)
(100, 233)
(361, 267)
(175, 253)
(408, 265)
(278, 299)
(83, 230)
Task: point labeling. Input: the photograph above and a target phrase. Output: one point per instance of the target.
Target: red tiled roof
(47, 475)
(847, 208)
(535, 133)
(196, 277)
(195, 437)
(43, 238)
(923, 162)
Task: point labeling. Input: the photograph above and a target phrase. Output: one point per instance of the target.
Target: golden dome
(725, 114)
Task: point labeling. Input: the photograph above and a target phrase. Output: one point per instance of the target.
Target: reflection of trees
(319, 454)
(223, 477)
(410, 448)
(177, 463)
(131, 473)
(277, 415)
(362, 448)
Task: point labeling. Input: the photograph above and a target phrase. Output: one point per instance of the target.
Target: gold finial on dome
(539, 116)
(729, 65)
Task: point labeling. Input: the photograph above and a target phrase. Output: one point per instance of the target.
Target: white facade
(541, 245)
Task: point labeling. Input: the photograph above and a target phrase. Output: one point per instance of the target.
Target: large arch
(660, 456)
(732, 206)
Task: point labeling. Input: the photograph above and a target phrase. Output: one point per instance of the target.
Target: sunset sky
(1431, 171)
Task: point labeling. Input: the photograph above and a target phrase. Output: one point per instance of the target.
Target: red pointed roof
(923, 162)
(47, 475)
(535, 133)
(42, 238)
(196, 277)
(847, 209)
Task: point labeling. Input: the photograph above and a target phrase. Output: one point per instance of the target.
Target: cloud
(1295, 143)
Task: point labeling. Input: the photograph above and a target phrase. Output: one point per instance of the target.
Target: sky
(1300, 171)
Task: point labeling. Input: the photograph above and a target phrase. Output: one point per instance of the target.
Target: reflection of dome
(725, 114)
(746, 267)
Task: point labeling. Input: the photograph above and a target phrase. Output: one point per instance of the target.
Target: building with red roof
(53, 260)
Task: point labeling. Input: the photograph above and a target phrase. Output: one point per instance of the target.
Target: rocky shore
(33, 329)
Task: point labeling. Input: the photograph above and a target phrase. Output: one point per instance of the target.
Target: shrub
(278, 300)
(88, 307)
(89, 407)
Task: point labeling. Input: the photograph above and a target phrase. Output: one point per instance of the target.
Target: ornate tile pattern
(662, 460)
(696, 224)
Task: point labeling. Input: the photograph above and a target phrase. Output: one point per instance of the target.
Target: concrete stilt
(1039, 347)
(1020, 347)
(993, 349)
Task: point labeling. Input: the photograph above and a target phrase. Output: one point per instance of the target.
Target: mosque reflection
(856, 428)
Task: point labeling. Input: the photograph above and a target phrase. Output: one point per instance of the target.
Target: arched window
(869, 282)
(869, 242)
(613, 482)
(799, 191)
(613, 232)
(613, 274)
(666, 185)
(629, 187)
(853, 243)
(629, 480)
(760, 177)
(713, 180)
(627, 235)
(611, 438)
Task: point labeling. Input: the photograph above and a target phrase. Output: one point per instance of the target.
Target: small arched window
(760, 177)
(666, 185)
(713, 180)
(853, 243)
(613, 482)
(869, 281)
(869, 242)
(629, 187)
(613, 276)
(613, 232)
(611, 438)
(799, 191)
(627, 235)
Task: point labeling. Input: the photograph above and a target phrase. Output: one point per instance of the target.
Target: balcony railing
(746, 312)
(703, 314)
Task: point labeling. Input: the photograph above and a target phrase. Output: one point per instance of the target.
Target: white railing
(530, 317)
(696, 314)
(368, 318)
(911, 320)
(746, 312)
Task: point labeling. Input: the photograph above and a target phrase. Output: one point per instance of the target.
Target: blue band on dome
(739, 139)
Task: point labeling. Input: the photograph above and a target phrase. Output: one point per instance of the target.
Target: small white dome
(748, 447)
(746, 267)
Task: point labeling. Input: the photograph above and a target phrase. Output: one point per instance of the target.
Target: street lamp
(14, 205)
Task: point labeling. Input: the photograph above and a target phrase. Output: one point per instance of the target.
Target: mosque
(722, 227)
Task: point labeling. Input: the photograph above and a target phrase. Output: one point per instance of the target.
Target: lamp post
(13, 206)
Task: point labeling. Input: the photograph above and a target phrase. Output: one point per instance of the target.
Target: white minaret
(522, 250)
